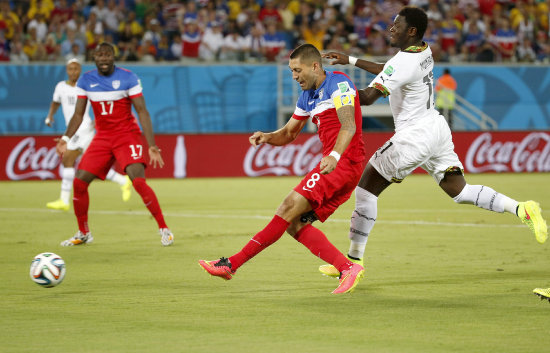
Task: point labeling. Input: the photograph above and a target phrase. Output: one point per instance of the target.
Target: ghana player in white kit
(65, 96)
(422, 137)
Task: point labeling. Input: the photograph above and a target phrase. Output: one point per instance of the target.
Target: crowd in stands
(266, 30)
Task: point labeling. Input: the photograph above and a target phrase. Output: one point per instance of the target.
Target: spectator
(255, 45)
(75, 53)
(163, 49)
(191, 39)
(269, 13)
(9, 18)
(212, 42)
(17, 55)
(314, 34)
(176, 48)
(39, 23)
(525, 51)
(273, 42)
(112, 18)
(153, 32)
(505, 40)
(131, 24)
(233, 48)
(66, 46)
(62, 12)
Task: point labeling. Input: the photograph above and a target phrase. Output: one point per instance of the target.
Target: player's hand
(258, 138)
(336, 58)
(61, 146)
(155, 158)
(328, 164)
(48, 121)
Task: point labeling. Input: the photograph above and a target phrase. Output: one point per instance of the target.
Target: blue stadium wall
(214, 99)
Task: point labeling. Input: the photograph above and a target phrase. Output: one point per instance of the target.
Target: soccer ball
(47, 269)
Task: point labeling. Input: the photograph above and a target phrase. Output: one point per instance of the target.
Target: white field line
(249, 217)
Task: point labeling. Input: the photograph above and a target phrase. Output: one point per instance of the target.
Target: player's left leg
(485, 197)
(136, 172)
(122, 180)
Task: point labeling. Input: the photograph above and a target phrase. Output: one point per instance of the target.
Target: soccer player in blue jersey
(112, 92)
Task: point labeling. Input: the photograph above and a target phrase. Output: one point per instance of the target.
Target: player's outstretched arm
(343, 59)
(53, 109)
(155, 157)
(74, 124)
(280, 137)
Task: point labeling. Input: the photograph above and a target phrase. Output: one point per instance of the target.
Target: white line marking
(237, 216)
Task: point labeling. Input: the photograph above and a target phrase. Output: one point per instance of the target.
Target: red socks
(81, 202)
(320, 246)
(150, 200)
(267, 236)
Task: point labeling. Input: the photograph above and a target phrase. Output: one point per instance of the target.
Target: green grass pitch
(440, 277)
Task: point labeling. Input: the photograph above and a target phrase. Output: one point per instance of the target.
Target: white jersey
(408, 80)
(66, 95)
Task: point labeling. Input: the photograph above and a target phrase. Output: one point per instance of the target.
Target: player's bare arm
(369, 95)
(343, 59)
(145, 121)
(346, 115)
(280, 137)
(54, 106)
(74, 124)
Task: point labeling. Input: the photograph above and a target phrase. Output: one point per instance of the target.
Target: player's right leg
(363, 217)
(81, 203)
(67, 177)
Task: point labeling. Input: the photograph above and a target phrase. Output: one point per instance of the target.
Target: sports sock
(116, 177)
(316, 241)
(150, 200)
(264, 238)
(484, 197)
(362, 221)
(81, 202)
(67, 177)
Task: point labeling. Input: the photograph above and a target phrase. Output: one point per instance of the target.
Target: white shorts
(81, 140)
(427, 144)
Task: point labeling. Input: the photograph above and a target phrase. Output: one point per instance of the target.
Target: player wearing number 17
(330, 99)
(112, 91)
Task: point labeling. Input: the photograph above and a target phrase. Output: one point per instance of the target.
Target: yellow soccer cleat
(126, 189)
(530, 214)
(349, 279)
(542, 293)
(331, 271)
(58, 205)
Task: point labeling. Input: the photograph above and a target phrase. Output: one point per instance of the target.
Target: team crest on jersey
(343, 87)
(389, 70)
(116, 84)
(321, 94)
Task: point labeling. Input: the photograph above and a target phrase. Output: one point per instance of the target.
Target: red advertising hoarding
(34, 157)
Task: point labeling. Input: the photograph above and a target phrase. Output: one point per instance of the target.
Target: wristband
(65, 138)
(335, 155)
(352, 60)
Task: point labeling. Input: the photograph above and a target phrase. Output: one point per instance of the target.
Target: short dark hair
(307, 53)
(415, 17)
(106, 44)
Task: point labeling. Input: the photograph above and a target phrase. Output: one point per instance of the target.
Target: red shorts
(326, 192)
(99, 157)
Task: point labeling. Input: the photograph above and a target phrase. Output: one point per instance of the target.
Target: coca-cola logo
(530, 154)
(26, 161)
(291, 159)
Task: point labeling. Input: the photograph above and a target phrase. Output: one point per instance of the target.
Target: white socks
(67, 177)
(116, 177)
(362, 221)
(487, 198)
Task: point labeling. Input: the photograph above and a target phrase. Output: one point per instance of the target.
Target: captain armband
(345, 99)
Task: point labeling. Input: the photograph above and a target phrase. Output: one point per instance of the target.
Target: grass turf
(440, 277)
